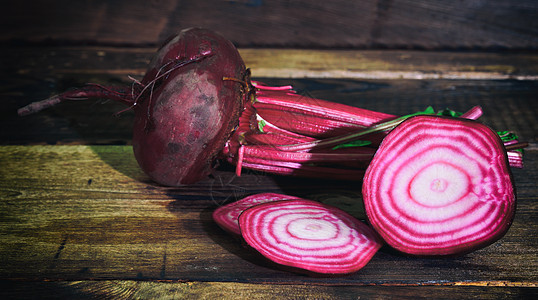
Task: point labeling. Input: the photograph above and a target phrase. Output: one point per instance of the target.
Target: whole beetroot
(186, 106)
(183, 124)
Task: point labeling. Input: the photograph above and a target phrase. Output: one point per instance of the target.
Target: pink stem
(307, 171)
(515, 159)
(292, 102)
(473, 114)
(270, 153)
(290, 121)
(306, 124)
(262, 86)
(336, 140)
(257, 138)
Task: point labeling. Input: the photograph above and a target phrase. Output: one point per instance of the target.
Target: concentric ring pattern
(439, 186)
(309, 235)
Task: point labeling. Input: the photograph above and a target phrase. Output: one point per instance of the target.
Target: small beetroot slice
(227, 216)
(439, 186)
(308, 235)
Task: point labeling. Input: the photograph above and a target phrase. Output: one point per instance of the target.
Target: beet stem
(240, 155)
(266, 149)
(516, 146)
(335, 141)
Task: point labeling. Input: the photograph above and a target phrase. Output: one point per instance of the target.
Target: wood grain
(78, 218)
(122, 289)
(87, 212)
(374, 24)
(370, 79)
(507, 105)
(120, 62)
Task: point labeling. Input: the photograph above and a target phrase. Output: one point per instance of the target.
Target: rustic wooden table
(78, 219)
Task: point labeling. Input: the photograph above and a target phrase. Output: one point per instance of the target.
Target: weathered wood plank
(119, 62)
(357, 24)
(87, 212)
(121, 289)
(507, 105)
(389, 64)
(32, 74)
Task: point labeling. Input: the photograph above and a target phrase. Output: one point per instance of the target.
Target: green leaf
(428, 111)
(357, 143)
(507, 136)
(448, 112)
(261, 124)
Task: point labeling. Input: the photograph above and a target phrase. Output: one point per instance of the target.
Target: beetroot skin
(186, 106)
(182, 125)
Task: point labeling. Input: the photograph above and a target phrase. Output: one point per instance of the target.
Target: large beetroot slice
(308, 235)
(440, 186)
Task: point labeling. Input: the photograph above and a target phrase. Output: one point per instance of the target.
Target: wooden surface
(79, 219)
(392, 81)
(404, 24)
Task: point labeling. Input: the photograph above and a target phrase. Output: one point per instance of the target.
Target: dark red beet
(186, 106)
(183, 124)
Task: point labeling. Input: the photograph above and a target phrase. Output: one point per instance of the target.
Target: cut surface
(227, 216)
(440, 186)
(309, 235)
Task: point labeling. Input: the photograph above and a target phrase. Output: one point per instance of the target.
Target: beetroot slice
(227, 216)
(308, 235)
(440, 186)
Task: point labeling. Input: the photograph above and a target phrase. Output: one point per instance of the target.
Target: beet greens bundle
(282, 132)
